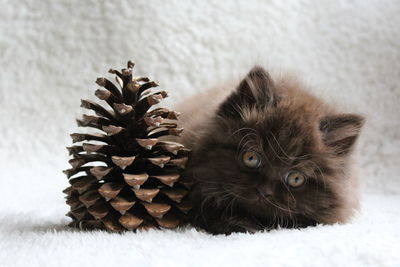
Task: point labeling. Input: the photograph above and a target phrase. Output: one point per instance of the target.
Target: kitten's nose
(266, 191)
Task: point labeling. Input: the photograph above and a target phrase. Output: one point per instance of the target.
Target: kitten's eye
(295, 179)
(251, 159)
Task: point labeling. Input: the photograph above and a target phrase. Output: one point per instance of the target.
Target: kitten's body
(290, 129)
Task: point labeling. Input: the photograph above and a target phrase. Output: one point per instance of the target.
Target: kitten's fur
(292, 130)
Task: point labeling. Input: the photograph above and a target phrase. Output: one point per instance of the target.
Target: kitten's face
(275, 154)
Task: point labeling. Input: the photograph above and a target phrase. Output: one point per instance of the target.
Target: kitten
(267, 155)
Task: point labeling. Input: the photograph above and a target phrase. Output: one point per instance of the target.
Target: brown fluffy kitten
(269, 154)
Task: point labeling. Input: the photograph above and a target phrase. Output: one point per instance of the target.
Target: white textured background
(52, 51)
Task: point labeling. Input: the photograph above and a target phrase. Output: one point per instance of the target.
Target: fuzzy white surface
(36, 239)
(52, 51)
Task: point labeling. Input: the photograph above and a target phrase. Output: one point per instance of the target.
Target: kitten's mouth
(262, 197)
(269, 202)
(259, 203)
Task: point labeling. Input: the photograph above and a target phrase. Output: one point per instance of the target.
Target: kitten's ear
(255, 90)
(257, 86)
(341, 131)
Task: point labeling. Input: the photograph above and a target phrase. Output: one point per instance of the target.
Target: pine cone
(127, 177)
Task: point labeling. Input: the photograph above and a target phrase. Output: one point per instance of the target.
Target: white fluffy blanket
(40, 239)
(52, 51)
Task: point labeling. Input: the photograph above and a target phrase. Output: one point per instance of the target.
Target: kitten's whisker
(288, 206)
(321, 173)
(280, 147)
(273, 150)
(240, 147)
(242, 139)
(285, 158)
(259, 223)
(237, 196)
(242, 129)
(273, 204)
(227, 206)
(275, 218)
(316, 195)
(248, 146)
(290, 192)
(206, 199)
(232, 205)
(245, 145)
(280, 221)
